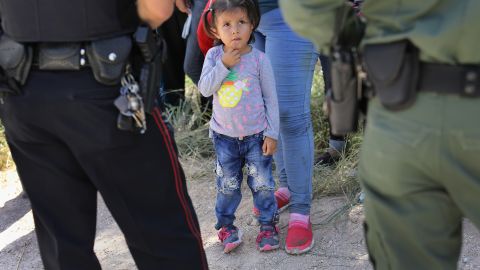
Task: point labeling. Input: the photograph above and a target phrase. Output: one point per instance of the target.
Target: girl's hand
(231, 57)
(269, 146)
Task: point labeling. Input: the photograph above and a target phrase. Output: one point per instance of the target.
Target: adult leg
(411, 220)
(460, 159)
(63, 199)
(138, 175)
(293, 60)
(144, 188)
(336, 144)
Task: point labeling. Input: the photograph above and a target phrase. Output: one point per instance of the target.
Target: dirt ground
(339, 244)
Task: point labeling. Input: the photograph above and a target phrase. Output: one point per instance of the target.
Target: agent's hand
(269, 146)
(231, 57)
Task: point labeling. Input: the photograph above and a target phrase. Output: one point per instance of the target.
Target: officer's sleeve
(312, 19)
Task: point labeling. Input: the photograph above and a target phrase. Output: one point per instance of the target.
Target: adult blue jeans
(293, 61)
(232, 155)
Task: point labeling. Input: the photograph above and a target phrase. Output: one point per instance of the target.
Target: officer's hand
(269, 146)
(183, 5)
(231, 57)
(154, 12)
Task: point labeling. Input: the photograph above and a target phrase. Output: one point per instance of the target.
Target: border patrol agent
(419, 163)
(61, 128)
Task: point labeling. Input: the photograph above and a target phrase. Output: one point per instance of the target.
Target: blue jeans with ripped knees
(232, 155)
(293, 61)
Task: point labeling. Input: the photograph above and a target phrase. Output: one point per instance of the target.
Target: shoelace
(265, 234)
(224, 234)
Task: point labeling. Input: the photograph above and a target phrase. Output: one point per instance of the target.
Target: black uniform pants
(63, 137)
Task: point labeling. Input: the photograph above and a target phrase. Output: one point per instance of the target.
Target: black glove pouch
(343, 102)
(393, 69)
(15, 60)
(59, 56)
(108, 58)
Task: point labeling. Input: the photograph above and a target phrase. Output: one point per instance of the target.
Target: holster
(344, 98)
(346, 84)
(109, 57)
(15, 60)
(393, 70)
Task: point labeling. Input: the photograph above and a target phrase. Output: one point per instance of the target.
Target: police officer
(61, 129)
(419, 165)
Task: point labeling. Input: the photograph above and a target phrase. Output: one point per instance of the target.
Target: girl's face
(234, 29)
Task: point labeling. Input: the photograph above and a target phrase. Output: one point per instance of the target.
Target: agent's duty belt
(107, 57)
(463, 80)
(59, 56)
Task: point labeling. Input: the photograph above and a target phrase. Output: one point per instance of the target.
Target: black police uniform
(63, 137)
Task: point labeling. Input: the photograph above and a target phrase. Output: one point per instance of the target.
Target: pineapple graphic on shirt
(231, 90)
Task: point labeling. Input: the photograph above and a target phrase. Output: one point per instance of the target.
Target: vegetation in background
(191, 135)
(191, 125)
(5, 156)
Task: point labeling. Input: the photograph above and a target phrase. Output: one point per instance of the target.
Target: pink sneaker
(267, 239)
(231, 238)
(299, 238)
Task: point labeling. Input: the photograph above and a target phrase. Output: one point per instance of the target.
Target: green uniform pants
(420, 170)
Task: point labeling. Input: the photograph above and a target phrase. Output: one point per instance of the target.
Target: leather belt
(76, 60)
(463, 80)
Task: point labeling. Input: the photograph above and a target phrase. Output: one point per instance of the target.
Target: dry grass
(5, 156)
(191, 126)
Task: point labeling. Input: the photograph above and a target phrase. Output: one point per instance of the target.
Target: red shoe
(282, 201)
(299, 239)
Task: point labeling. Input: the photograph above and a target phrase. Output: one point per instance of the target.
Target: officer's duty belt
(60, 56)
(462, 80)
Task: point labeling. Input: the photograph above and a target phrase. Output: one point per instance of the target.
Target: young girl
(245, 121)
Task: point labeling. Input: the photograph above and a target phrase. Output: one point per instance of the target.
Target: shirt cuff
(271, 134)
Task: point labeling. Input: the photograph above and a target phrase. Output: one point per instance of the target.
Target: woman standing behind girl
(245, 122)
(293, 61)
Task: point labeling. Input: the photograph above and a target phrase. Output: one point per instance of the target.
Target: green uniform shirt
(445, 31)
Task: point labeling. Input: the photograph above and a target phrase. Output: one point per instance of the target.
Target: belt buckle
(471, 82)
(241, 138)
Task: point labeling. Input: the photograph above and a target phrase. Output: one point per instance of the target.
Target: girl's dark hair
(219, 6)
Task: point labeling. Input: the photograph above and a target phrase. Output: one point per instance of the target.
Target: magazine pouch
(59, 56)
(108, 58)
(393, 69)
(15, 59)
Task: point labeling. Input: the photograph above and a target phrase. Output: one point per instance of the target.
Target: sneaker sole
(297, 251)
(268, 248)
(231, 246)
